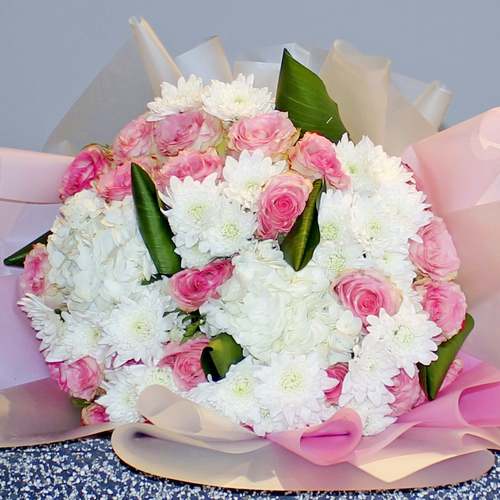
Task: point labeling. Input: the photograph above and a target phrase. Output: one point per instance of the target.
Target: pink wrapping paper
(460, 172)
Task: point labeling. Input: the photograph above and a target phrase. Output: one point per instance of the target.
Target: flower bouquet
(238, 271)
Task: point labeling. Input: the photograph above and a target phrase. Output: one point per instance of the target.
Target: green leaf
(299, 244)
(80, 403)
(153, 225)
(219, 355)
(303, 95)
(17, 259)
(432, 376)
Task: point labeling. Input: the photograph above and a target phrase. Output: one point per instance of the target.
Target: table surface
(88, 469)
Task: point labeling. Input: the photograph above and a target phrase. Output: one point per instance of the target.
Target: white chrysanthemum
(83, 336)
(335, 258)
(154, 375)
(137, 329)
(375, 228)
(46, 322)
(375, 418)
(387, 170)
(173, 100)
(123, 387)
(292, 390)
(334, 216)
(230, 233)
(407, 335)
(194, 206)
(246, 176)
(354, 161)
(397, 266)
(370, 371)
(236, 100)
(233, 396)
(407, 204)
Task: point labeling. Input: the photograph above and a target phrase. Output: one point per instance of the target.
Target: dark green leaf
(17, 259)
(154, 226)
(219, 355)
(432, 376)
(80, 403)
(299, 244)
(304, 96)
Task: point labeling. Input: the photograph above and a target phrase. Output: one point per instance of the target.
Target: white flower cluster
(269, 308)
(213, 219)
(227, 101)
(293, 327)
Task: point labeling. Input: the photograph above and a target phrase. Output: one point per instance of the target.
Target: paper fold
(425, 447)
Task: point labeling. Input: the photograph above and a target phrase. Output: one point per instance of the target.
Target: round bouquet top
(250, 265)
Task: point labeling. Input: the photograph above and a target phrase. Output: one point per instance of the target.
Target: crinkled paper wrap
(441, 442)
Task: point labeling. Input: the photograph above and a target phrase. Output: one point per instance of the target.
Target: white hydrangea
(96, 252)
(176, 99)
(236, 100)
(192, 256)
(246, 176)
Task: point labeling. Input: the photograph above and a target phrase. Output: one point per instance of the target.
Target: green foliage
(432, 376)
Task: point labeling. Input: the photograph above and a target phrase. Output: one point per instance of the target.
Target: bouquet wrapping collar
(438, 443)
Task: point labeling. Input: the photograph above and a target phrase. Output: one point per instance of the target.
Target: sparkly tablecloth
(88, 469)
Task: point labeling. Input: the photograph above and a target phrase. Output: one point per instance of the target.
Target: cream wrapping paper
(413, 455)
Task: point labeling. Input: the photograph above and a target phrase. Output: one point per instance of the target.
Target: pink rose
(81, 379)
(338, 372)
(436, 256)
(446, 305)
(452, 374)
(184, 359)
(36, 270)
(135, 139)
(365, 293)
(94, 414)
(192, 287)
(192, 129)
(407, 392)
(115, 184)
(85, 168)
(283, 199)
(273, 133)
(148, 163)
(190, 163)
(314, 157)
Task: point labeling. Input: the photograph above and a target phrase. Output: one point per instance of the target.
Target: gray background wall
(50, 50)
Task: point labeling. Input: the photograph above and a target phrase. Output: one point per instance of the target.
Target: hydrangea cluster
(233, 175)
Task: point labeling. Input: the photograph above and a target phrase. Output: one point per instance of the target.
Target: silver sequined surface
(88, 469)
